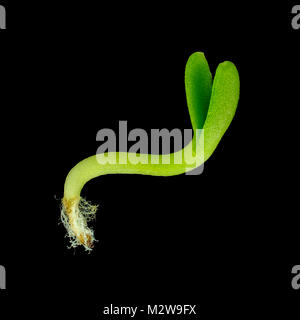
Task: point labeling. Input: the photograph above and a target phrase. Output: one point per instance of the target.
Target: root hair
(75, 214)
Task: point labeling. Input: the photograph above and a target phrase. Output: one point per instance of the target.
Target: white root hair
(75, 214)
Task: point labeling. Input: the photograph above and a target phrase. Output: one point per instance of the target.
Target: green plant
(211, 106)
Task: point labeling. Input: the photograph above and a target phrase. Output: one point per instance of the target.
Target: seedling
(211, 107)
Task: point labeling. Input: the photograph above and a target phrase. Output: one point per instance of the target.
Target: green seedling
(211, 107)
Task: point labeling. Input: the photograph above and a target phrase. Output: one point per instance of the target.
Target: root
(75, 213)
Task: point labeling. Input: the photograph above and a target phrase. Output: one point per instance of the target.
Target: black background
(225, 240)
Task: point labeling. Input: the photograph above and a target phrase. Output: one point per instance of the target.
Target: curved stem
(154, 165)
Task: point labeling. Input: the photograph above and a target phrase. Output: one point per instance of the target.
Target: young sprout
(211, 107)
